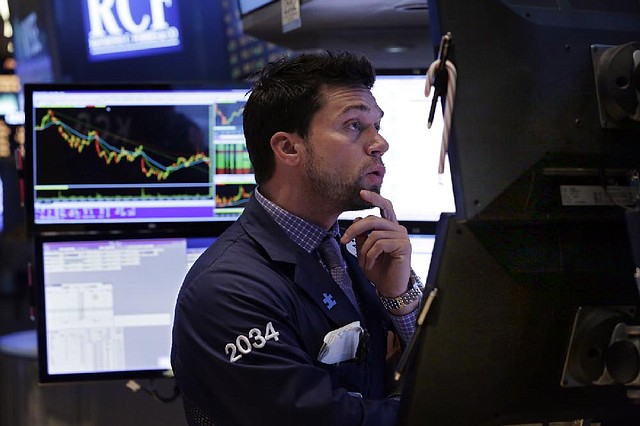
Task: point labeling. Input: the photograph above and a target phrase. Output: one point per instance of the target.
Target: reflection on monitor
(411, 181)
(114, 155)
(105, 307)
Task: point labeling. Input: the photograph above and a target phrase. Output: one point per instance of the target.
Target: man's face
(344, 148)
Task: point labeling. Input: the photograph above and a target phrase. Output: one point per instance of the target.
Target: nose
(378, 146)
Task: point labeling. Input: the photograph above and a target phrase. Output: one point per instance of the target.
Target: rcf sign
(125, 28)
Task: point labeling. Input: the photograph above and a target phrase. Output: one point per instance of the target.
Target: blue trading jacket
(249, 322)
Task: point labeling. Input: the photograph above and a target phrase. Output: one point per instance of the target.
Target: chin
(355, 202)
(358, 204)
(373, 188)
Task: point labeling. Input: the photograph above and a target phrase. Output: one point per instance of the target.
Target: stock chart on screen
(126, 155)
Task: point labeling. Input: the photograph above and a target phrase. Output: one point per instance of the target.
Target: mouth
(376, 175)
(378, 171)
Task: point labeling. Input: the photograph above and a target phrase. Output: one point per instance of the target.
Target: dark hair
(286, 95)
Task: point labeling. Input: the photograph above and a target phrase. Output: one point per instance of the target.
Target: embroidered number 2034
(254, 339)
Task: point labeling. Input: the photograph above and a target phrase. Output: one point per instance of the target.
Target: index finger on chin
(377, 200)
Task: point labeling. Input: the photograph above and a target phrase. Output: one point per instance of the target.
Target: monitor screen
(115, 155)
(105, 306)
(421, 251)
(412, 182)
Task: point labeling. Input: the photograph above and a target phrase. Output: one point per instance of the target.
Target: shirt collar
(305, 234)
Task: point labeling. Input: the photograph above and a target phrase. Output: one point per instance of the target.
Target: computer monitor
(104, 306)
(535, 317)
(530, 326)
(412, 182)
(134, 156)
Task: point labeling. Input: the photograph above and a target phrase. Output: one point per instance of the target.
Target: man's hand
(383, 247)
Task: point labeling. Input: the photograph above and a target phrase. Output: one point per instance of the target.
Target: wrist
(413, 293)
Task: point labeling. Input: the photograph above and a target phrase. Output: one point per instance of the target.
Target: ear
(285, 147)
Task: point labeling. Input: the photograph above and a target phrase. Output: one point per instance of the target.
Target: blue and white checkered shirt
(309, 236)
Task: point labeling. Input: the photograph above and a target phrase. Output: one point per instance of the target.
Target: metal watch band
(416, 288)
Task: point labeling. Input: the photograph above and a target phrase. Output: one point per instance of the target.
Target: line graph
(233, 195)
(149, 166)
(229, 114)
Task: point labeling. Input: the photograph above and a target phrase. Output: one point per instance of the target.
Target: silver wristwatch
(416, 288)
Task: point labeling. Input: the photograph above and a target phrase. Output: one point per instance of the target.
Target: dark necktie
(332, 256)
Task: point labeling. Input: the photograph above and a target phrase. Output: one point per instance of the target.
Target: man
(255, 310)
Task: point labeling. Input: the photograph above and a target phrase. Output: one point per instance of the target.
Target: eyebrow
(361, 107)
